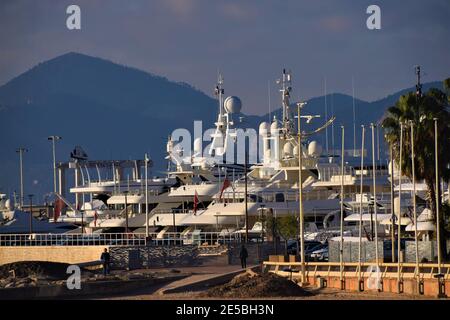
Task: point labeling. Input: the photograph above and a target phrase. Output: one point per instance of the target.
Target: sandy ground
(200, 273)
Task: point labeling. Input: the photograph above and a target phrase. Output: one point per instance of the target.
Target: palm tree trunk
(431, 199)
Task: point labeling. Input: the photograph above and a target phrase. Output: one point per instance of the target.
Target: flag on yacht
(226, 184)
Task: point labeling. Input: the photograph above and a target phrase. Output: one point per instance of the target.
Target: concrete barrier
(63, 254)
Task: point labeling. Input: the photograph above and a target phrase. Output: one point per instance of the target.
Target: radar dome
(232, 104)
(287, 150)
(314, 149)
(274, 127)
(263, 128)
(295, 151)
(198, 146)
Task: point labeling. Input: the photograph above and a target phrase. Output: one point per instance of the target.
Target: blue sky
(249, 41)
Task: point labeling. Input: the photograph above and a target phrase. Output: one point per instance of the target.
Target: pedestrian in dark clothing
(105, 257)
(243, 255)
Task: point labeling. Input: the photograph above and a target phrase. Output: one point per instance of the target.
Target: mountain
(118, 112)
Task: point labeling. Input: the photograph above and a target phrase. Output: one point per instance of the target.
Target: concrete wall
(153, 256)
(66, 254)
(427, 250)
(351, 251)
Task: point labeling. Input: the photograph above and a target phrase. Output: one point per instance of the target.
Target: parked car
(309, 247)
(320, 254)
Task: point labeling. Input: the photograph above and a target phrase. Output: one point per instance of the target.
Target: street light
(21, 151)
(300, 190)
(438, 231)
(31, 212)
(54, 139)
(341, 244)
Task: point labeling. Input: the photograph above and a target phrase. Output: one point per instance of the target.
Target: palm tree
(420, 111)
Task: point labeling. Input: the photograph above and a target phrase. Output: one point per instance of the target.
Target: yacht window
(279, 197)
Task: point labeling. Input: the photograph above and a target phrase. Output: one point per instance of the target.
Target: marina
(222, 150)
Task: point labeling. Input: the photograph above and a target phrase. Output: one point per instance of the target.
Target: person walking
(105, 257)
(243, 254)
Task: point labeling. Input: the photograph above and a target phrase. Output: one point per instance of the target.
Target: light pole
(21, 151)
(438, 232)
(375, 198)
(31, 212)
(146, 196)
(300, 192)
(54, 139)
(361, 208)
(341, 244)
(399, 247)
(413, 171)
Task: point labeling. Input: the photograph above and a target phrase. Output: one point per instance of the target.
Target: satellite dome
(232, 104)
(198, 146)
(263, 128)
(295, 151)
(314, 149)
(287, 150)
(274, 127)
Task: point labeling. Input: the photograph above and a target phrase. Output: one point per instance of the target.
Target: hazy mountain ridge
(116, 111)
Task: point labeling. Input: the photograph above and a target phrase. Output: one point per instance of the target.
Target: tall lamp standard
(21, 151)
(438, 234)
(54, 139)
(300, 193)
(31, 212)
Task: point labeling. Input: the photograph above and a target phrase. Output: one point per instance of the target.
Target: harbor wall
(427, 251)
(65, 254)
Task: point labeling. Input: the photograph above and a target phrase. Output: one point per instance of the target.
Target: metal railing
(119, 239)
(351, 269)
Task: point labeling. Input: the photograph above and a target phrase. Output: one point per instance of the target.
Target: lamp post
(361, 207)
(438, 231)
(300, 193)
(413, 171)
(246, 196)
(21, 151)
(31, 212)
(375, 198)
(341, 244)
(399, 247)
(54, 139)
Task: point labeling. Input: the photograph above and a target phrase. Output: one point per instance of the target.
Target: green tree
(420, 111)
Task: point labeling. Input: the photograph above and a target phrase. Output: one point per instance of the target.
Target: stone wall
(64, 254)
(351, 251)
(427, 251)
(134, 257)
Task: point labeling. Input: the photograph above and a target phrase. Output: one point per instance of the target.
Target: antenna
(418, 85)
(285, 98)
(326, 116)
(354, 118)
(268, 92)
(219, 92)
(332, 124)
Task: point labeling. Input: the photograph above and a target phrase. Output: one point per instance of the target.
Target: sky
(250, 42)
